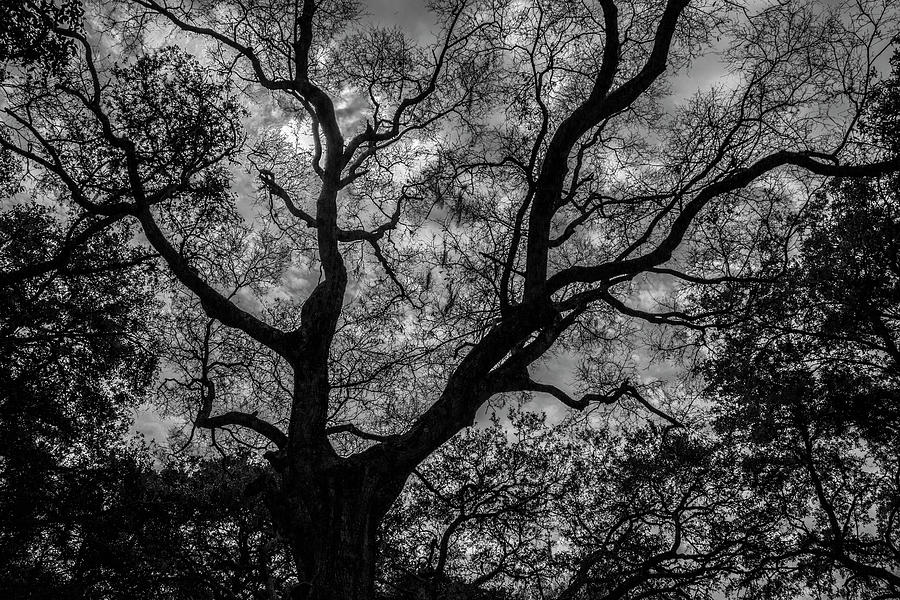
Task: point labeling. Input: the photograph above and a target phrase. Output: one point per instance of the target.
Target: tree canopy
(340, 240)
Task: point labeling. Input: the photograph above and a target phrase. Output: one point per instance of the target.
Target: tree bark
(331, 517)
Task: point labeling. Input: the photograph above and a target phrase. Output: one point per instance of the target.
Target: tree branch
(248, 421)
(354, 430)
(818, 164)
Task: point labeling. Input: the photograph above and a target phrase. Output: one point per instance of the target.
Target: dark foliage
(27, 36)
(808, 390)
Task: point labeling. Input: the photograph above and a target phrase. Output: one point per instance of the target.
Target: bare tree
(465, 209)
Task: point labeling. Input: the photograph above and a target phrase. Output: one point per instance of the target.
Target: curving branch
(601, 104)
(215, 304)
(371, 136)
(819, 164)
(354, 430)
(61, 261)
(625, 389)
(675, 317)
(234, 418)
(343, 235)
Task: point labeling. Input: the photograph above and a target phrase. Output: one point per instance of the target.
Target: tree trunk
(331, 520)
(339, 556)
(341, 565)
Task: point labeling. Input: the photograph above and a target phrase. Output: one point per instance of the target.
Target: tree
(812, 395)
(123, 527)
(75, 357)
(809, 384)
(26, 35)
(87, 513)
(467, 208)
(573, 512)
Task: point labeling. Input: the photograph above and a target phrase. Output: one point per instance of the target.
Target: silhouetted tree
(75, 358)
(26, 33)
(467, 207)
(807, 387)
(574, 512)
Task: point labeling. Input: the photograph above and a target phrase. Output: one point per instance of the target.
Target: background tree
(468, 208)
(26, 33)
(808, 389)
(571, 511)
(75, 358)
